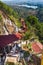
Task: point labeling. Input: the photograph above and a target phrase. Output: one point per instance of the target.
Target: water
(28, 6)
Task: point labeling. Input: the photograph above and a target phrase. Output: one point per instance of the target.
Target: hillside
(10, 13)
(8, 19)
(11, 21)
(25, 11)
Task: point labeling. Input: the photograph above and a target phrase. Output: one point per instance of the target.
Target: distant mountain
(12, 3)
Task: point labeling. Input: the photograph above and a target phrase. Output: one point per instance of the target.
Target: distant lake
(28, 6)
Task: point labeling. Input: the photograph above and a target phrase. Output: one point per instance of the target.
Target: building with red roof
(7, 39)
(37, 47)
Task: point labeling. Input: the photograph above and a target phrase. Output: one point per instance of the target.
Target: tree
(36, 27)
(32, 20)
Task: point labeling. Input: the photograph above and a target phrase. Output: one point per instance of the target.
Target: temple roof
(6, 39)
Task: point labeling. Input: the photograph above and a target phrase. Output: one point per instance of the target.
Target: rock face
(8, 26)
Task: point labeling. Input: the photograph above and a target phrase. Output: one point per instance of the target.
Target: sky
(24, 0)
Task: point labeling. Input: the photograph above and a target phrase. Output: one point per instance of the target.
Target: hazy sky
(24, 0)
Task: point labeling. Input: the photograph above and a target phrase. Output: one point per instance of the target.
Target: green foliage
(41, 33)
(8, 10)
(36, 27)
(0, 18)
(27, 35)
(29, 46)
(26, 54)
(28, 24)
(12, 14)
(16, 21)
(32, 20)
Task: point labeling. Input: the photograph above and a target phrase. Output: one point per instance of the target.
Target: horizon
(16, 1)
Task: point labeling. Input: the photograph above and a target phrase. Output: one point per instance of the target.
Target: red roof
(18, 35)
(6, 39)
(37, 47)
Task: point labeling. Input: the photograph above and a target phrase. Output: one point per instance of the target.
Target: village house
(5, 40)
(15, 55)
(37, 47)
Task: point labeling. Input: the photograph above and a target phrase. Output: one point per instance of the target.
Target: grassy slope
(10, 13)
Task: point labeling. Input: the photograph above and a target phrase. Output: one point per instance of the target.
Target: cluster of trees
(35, 28)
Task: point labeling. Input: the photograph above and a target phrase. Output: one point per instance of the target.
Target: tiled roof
(37, 47)
(6, 39)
